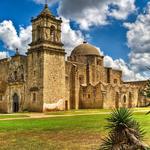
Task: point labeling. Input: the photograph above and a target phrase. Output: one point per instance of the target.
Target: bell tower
(46, 31)
(46, 62)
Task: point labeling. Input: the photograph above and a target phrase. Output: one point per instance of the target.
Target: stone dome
(85, 49)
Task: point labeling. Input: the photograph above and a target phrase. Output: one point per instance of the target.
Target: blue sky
(110, 36)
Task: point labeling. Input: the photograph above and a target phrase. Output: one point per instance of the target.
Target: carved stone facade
(43, 80)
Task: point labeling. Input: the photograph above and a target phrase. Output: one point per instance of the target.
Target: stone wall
(113, 76)
(35, 81)
(54, 77)
(91, 97)
(13, 75)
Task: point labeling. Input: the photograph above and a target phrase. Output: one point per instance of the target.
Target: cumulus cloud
(70, 38)
(3, 54)
(138, 37)
(12, 40)
(119, 64)
(95, 12)
(139, 33)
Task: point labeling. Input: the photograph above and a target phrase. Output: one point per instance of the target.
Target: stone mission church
(42, 80)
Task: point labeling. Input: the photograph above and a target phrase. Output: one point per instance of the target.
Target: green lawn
(60, 133)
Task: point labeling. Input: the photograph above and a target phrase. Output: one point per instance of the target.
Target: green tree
(125, 133)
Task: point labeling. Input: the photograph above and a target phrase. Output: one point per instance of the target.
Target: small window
(34, 97)
(52, 33)
(124, 99)
(34, 73)
(99, 62)
(89, 96)
(1, 97)
(38, 33)
(81, 79)
(15, 75)
(115, 81)
(22, 77)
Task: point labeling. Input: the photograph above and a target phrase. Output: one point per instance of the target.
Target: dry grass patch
(49, 141)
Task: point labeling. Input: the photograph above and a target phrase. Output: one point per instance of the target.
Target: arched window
(38, 33)
(81, 79)
(22, 77)
(52, 33)
(34, 97)
(117, 100)
(1, 97)
(15, 75)
(115, 81)
(124, 99)
(75, 58)
(130, 100)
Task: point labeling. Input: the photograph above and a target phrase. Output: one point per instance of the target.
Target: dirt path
(42, 115)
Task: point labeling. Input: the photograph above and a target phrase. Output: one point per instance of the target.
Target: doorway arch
(15, 103)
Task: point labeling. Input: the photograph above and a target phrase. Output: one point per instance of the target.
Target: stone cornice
(48, 49)
(47, 17)
(46, 42)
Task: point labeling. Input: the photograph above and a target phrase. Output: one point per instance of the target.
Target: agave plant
(125, 133)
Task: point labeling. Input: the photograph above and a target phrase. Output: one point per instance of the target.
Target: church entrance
(15, 103)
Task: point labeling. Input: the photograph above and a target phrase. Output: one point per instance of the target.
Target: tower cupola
(46, 31)
(45, 12)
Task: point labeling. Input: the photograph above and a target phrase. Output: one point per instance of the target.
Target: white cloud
(139, 33)
(119, 64)
(138, 37)
(95, 12)
(25, 36)
(10, 38)
(70, 38)
(122, 8)
(3, 54)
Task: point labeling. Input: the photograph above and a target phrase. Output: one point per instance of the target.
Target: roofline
(113, 69)
(135, 81)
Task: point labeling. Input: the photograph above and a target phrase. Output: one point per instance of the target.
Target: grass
(61, 133)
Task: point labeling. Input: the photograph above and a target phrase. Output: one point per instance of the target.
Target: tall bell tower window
(15, 75)
(1, 97)
(52, 33)
(124, 99)
(38, 33)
